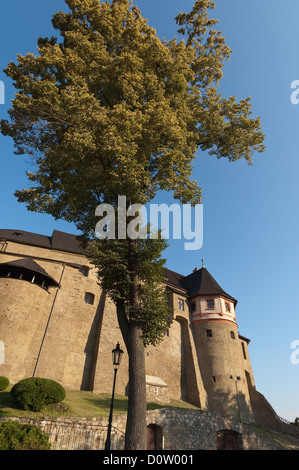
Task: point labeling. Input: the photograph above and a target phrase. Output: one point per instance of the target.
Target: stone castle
(56, 322)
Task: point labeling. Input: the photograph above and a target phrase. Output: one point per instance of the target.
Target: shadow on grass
(6, 401)
(120, 404)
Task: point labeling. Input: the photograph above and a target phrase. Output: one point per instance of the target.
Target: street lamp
(116, 358)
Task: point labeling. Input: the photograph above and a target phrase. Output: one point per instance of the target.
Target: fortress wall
(49, 334)
(24, 310)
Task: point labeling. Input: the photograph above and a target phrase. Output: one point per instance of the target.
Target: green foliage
(17, 436)
(36, 393)
(113, 110)
(117, 262)
(4, 383)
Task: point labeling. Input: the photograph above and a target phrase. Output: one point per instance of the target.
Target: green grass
(79, 404)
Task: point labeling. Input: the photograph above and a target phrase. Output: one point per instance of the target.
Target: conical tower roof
(201, 282)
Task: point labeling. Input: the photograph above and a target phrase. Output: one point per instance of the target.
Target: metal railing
(283, 420)
(63, 436)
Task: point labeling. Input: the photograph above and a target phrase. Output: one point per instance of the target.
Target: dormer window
(27, 270)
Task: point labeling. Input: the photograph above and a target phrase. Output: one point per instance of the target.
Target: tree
(113, 110)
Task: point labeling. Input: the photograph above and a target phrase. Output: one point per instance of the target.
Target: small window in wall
(84, 270)
(193, 306)
(232, 335)
(227, 306)
(181, 304)
(89, 298)
(244, 352)
(210, 304)
(214, 378)
(209, 333)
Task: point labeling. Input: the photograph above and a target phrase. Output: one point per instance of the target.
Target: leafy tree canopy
(109, 109)
(112, 109)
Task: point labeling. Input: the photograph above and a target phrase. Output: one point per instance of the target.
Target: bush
(35, 393)
(4, 383)
(17, 436)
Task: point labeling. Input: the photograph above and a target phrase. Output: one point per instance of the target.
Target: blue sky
(251, 226)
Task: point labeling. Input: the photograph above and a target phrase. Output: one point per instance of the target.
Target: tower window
(209, 333)
(210, 304)
(193, 306)
(181, 304)
(89, 298)
(227, 306)
(232, 335)
(244, 352)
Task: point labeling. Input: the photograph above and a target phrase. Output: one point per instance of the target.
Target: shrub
(36, 393)
(4, 383)
(17, 436)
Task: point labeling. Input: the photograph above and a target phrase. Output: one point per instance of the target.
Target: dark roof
(63, 241)
(174, 279)
(200, 282)
(30, 265)
(58, 241)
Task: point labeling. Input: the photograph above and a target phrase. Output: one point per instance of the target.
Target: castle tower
(221, 355)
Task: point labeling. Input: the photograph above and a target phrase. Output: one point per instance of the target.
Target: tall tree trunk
(132, 334)
(136, 418)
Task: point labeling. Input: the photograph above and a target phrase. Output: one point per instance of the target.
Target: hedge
(34, 393)
(17, 436)
(4, 383)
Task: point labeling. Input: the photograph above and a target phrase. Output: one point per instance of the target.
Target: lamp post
(116, 358)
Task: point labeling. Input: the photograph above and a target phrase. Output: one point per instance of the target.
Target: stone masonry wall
(182, 429)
